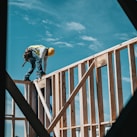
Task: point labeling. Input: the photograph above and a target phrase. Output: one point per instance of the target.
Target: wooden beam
(43, 100)
(25, 107)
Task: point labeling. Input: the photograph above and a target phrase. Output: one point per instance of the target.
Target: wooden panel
(101, 60)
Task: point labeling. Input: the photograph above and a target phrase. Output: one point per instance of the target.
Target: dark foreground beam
(25, 107)
(126, 123)
(130, 8)
(3, 32)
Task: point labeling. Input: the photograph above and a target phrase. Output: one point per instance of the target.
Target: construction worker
(35, 55)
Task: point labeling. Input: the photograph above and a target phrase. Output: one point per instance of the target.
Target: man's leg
(45, 63)
(43, 55)
(27, 75)
(39, 65)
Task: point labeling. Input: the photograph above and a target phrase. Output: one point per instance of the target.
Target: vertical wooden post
(92, 102)
(53, 98)
(118, 81)
(63, 122)
(58, 98)
(83, 102)
(40, 108)
(13, 119)
(47, 98)
(33, 101)
(72, 106)
(132, 68)
(27, 97)
(111, 90)
(100, 102)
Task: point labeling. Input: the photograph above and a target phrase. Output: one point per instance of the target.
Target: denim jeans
(35, 60)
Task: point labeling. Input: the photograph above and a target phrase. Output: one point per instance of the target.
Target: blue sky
(76, 29)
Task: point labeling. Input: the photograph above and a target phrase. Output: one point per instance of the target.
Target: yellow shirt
(36, 48)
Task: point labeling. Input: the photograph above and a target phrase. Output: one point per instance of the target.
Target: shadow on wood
(126, 123)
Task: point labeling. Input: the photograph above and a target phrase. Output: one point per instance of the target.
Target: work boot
(42, 73)
(26, 79)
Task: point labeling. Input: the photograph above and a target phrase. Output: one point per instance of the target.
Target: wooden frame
(79, 86)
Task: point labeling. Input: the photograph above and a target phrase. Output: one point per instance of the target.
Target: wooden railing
(84, 98)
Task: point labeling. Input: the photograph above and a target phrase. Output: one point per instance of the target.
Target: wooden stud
(118, 81)
(72, 106)
(100, 101)
(111, 89)
(132, 68)
(92, 102)
(63, 122)
(83, 101)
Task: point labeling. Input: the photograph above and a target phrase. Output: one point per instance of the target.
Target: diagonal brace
(74, 92)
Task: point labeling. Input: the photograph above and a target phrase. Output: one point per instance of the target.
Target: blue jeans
(35, 60)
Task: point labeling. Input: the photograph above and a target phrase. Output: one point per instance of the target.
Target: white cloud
(63, 44)
(126, 79)
(81, 44)
(95, 45)
(122, 36)
(75, 26)
(88, 38)
(32, 5)
(22, 4)
(51, 39)
(125, 36)
(48, 33)
(29, 21)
